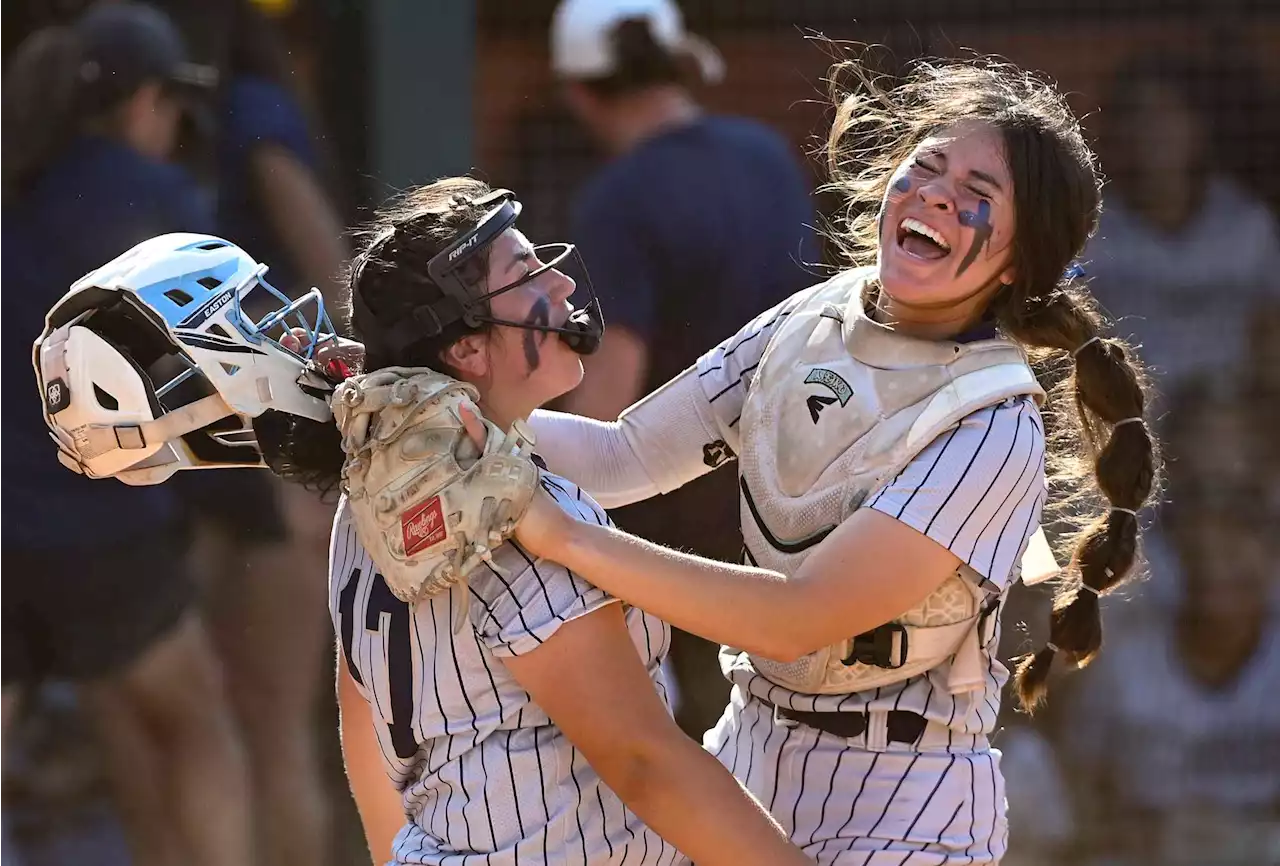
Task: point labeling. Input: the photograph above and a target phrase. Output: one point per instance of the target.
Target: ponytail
(300, 450)
(41, 96)
(1109, 430)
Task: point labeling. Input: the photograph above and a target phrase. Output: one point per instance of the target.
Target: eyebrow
(522, 255)
(973, 172)
(985, 178)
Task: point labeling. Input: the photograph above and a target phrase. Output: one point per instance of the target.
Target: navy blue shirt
(98, 200)
(693, 232)
(687, 237)
(257, 112)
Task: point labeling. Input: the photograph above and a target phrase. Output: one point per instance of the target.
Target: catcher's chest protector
(839, 405)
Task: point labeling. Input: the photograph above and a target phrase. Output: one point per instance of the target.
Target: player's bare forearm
(686, 796)
(376, 799)
(869, 570)
(589, 679)
(686, 590)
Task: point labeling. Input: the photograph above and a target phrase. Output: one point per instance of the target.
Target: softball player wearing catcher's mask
(519, 715)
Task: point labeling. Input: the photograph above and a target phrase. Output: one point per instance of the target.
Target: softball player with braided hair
(892, 467)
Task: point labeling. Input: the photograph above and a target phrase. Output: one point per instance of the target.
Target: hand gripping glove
(428, 506)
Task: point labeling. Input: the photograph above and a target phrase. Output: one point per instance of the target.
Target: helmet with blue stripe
(160, 359)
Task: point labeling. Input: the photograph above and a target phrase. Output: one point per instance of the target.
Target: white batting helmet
(193, 313)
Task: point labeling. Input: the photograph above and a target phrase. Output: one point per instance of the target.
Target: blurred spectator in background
(1173, 737)
(1214, 442)
(259, 542)
(1042, 825)
(270, 197)
(97, 591)
(698, 222)
(1262, 391)
(1183, 254)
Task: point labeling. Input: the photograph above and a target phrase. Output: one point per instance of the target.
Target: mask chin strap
(424, 321)
(94, 440)
(581, 332)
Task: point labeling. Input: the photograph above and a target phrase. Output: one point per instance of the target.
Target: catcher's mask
(459, 272)
(159, 360)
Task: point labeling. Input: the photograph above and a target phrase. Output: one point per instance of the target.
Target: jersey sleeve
(978, 489)
(725, 373)
(516, 612)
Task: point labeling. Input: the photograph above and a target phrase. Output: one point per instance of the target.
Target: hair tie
(1084, 345)
(1136, 419)
(1089, 588)
(1124, 510)
(1074, 271)
(1051, 646)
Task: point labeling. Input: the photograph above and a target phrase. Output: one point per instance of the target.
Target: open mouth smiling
(922, 241)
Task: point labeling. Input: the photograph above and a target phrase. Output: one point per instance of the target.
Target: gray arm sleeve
(655, 446)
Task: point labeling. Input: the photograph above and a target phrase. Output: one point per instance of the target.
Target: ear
(468, 357)
(1008, 276)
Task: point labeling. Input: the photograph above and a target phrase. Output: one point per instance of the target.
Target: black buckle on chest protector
(883, 647)
(987, 619)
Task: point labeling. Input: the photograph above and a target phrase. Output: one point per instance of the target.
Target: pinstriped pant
(908, 805)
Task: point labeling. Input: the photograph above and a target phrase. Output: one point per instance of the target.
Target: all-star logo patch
(833, 382)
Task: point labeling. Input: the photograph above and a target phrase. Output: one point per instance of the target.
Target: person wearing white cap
(699, 221)
(583, 46)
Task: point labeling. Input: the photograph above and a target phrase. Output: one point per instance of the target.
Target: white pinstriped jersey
(977, 490)
(485, 776)
(869, 800)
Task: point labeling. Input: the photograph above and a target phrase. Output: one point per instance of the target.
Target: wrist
(573, 544)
